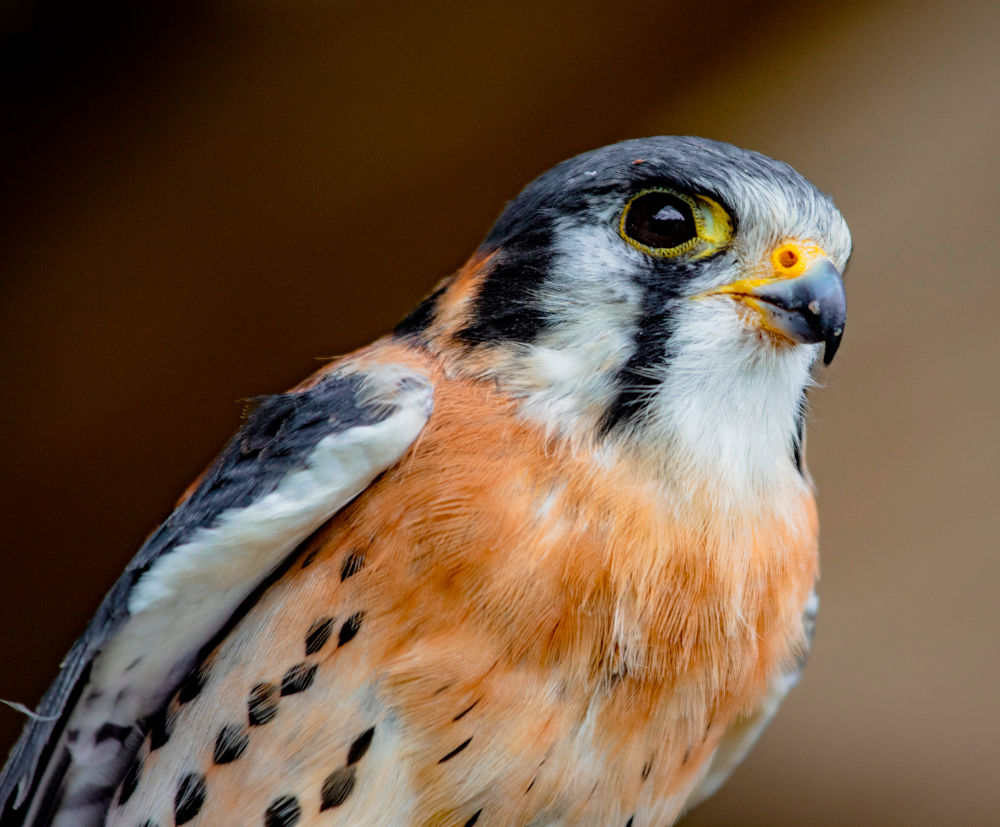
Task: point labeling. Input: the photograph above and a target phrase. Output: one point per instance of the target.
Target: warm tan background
(197, 204)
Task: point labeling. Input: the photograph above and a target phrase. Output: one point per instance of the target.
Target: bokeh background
(199, 202)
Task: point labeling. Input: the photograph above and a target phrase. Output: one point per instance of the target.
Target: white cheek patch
(567, 376)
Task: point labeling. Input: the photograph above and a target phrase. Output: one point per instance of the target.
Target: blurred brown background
(197, 203)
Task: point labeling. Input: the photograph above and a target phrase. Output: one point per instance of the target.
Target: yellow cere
(792, 258)
(789, 260)
(710, 219)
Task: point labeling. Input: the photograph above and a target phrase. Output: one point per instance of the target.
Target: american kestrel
(544, 555)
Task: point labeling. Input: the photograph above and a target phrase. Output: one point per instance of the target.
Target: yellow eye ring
(665, 223)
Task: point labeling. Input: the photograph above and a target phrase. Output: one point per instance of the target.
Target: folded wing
(297, 460)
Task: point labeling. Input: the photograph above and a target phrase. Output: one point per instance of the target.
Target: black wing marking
(279, 436)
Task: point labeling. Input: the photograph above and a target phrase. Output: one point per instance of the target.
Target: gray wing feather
(279, 436)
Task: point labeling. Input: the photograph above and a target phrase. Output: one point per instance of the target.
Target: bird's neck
(728, 413)
(727, 420)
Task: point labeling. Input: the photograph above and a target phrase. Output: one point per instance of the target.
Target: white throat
(726, 409)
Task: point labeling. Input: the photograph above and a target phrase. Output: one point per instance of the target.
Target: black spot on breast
(467, 710)
(473, 819)
(350, 628)
(455, 751)
(149, 823)
(336, 788)
(262, 705)
(231, 742)
(130, 781)
(646, 768)
(628, 823)
(191, 688)
(161, 725)
(283, 812)
(110, 731)
(360, 746)
(298, 679)
(72, 735)
(353, 562)
(310, 557)
(189, 798)
(318, 634)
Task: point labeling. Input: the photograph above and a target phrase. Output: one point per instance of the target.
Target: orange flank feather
(535, 635)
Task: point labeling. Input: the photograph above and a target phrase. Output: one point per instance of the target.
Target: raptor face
(664, 291)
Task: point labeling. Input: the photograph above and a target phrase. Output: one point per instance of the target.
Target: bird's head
(670, 294)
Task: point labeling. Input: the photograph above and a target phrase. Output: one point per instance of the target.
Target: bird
(545, 554)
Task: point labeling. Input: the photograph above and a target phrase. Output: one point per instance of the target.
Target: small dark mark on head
(455, 751)
(354, 561)
(474, 818)
(360, 746)
(192, 687)
(336, 788)
(130, 781)
(231, 742)
(350, 628)
(467, 710)
(262, 705)
(532, 784)
(318, 634)
(646, 769)
(283, 812)
(441, 689)
(72, 735)
(134, 664)
(298, 679)
(161, 725)
(687, 754)
(109, 731)
(189, 798)
(308, 559)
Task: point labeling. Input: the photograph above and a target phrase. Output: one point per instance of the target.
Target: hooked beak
(804, 301)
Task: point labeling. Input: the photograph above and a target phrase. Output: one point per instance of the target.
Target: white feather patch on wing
(187, 595)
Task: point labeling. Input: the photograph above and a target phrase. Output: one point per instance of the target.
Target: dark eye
(659, 220)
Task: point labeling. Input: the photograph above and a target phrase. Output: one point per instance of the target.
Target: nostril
(788, 258)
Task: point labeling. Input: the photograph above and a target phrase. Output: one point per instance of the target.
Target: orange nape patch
(453, 308)
(529, 634)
